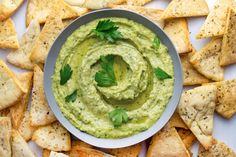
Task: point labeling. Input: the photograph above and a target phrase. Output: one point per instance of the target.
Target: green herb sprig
(161, 74)
(65, 74)
(118, 117)
(71, 97)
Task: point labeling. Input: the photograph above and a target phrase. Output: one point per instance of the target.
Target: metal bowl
(49, 70)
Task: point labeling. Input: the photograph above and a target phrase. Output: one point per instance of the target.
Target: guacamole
(138, 91)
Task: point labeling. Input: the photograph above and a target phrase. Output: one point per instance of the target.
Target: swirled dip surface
(138, 90)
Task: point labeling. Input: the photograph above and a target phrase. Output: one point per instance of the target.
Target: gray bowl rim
(127, 141)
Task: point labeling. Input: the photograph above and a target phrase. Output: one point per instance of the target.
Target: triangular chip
(40, 9)
(167, 143)
(53, 137)
(151, 13)
(177, 30)
(21, 56)
(218, 149)
(185, 8)
(137, 2)
(19, 146)
(80, 143)
(25, 129)
(40, 113)
(215, 23)
(196, 108)
(5, 135)
(50, 31)
(17, 110)
(8, 8)
(191, 75)
(131, 151)
(206, 61)
(8, 36)
(228, 50)
(176, 121)
(55, 154)
(11, 90)
(187, 137)
(226, 98)
(87, 152)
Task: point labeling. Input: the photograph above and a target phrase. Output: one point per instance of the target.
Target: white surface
(224, 130)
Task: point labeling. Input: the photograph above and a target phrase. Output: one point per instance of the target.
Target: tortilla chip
(226, 98)
(87, 152)
(215, 23)
(191, 75)
(167, 143)
(50, 31)
(228, 50)
(53, 137)
(55, 154)
(185, 8)
(177, 30)
(8, 8)
(8, 36)
(196, 108)
(40, 113)
(17, 110)
(218, 149)
(176, 121)
(40, 9)
(206, 61)
(19, 146)
(137, 2)
(187, 137)
(25, 129)
(5, 135)
(21, 56)
(11, 90)
(151, 13)
(131, 151)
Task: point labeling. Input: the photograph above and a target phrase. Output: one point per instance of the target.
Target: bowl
(49, 70)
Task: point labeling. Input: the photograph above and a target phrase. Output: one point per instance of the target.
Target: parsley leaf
(106, 29)
(161, 74)
(118, 117)
(156, 42)
(65, 74)
(106, 76)
(72, 97)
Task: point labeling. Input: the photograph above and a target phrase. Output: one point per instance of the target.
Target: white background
(224, 130)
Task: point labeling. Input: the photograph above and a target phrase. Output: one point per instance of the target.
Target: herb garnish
(106, 76)
(72, 97)
(161, 74)
(118, 117)
(106, 29)
(65, 74)
(156, 42)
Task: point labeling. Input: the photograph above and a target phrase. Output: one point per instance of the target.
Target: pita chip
(85, 152)
(8, 8)
(151, 13)
(226, 98)
(177, 30)
(25, 129)
(5, 135)
(131, 151)
(218, 149)
(11, 90)
(228, 50)
(40, 113)
(191, 75)
(167, 143)
(17, 110)
(40, 10)
(5, 113)
(46, 153)
(187, 137)
(19, 146)
(53, 137)
(8, 36)
(185, 8)
(206, 61)
(21, 56)
(137, 2)
(55, 154)
(196, 108)
(215, 23)
(95, 4)
(80, 143)
(176, 121)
